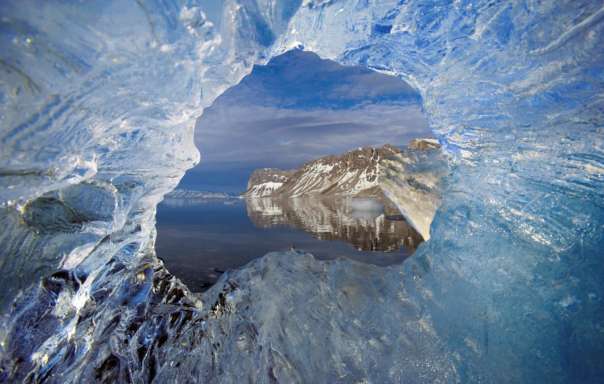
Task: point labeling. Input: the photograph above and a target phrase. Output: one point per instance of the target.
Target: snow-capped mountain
(348, 174)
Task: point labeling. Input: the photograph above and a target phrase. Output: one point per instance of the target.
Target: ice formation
(98, 102)
(412, 180)
(185, 197)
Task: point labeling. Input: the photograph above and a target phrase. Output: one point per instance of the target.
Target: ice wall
(97, 108)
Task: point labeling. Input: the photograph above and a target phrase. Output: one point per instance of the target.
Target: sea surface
(199, 240)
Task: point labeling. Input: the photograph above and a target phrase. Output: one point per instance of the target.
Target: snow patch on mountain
(264, 189)
(265, 182)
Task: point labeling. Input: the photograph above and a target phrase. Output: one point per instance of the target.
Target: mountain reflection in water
(364, 224)
(199, 239)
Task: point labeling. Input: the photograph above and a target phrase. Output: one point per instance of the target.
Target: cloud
(287, 137)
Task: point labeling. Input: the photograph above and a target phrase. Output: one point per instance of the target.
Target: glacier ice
(98, 101)
(412, 181)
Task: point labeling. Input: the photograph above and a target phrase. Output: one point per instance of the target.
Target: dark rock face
(423, 144)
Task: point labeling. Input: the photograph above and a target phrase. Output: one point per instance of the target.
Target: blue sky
(297, 108)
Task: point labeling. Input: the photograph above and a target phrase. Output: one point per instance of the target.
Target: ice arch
(97, 107)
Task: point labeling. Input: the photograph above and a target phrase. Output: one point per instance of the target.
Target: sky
(295, 109)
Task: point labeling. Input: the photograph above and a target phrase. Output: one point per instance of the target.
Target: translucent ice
(412, 179)
(97, 107)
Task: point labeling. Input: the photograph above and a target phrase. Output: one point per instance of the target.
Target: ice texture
(97, 106)
(412, 180)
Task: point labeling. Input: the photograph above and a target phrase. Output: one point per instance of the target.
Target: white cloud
(258, 134)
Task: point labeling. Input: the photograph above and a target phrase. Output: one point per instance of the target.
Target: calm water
(200, 240)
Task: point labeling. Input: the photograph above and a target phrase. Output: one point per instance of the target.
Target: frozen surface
(97, 107)
(412, 180)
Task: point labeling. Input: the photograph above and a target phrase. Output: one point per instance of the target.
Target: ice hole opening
(304, 153)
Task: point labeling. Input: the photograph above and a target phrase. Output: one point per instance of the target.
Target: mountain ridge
(348, 174)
